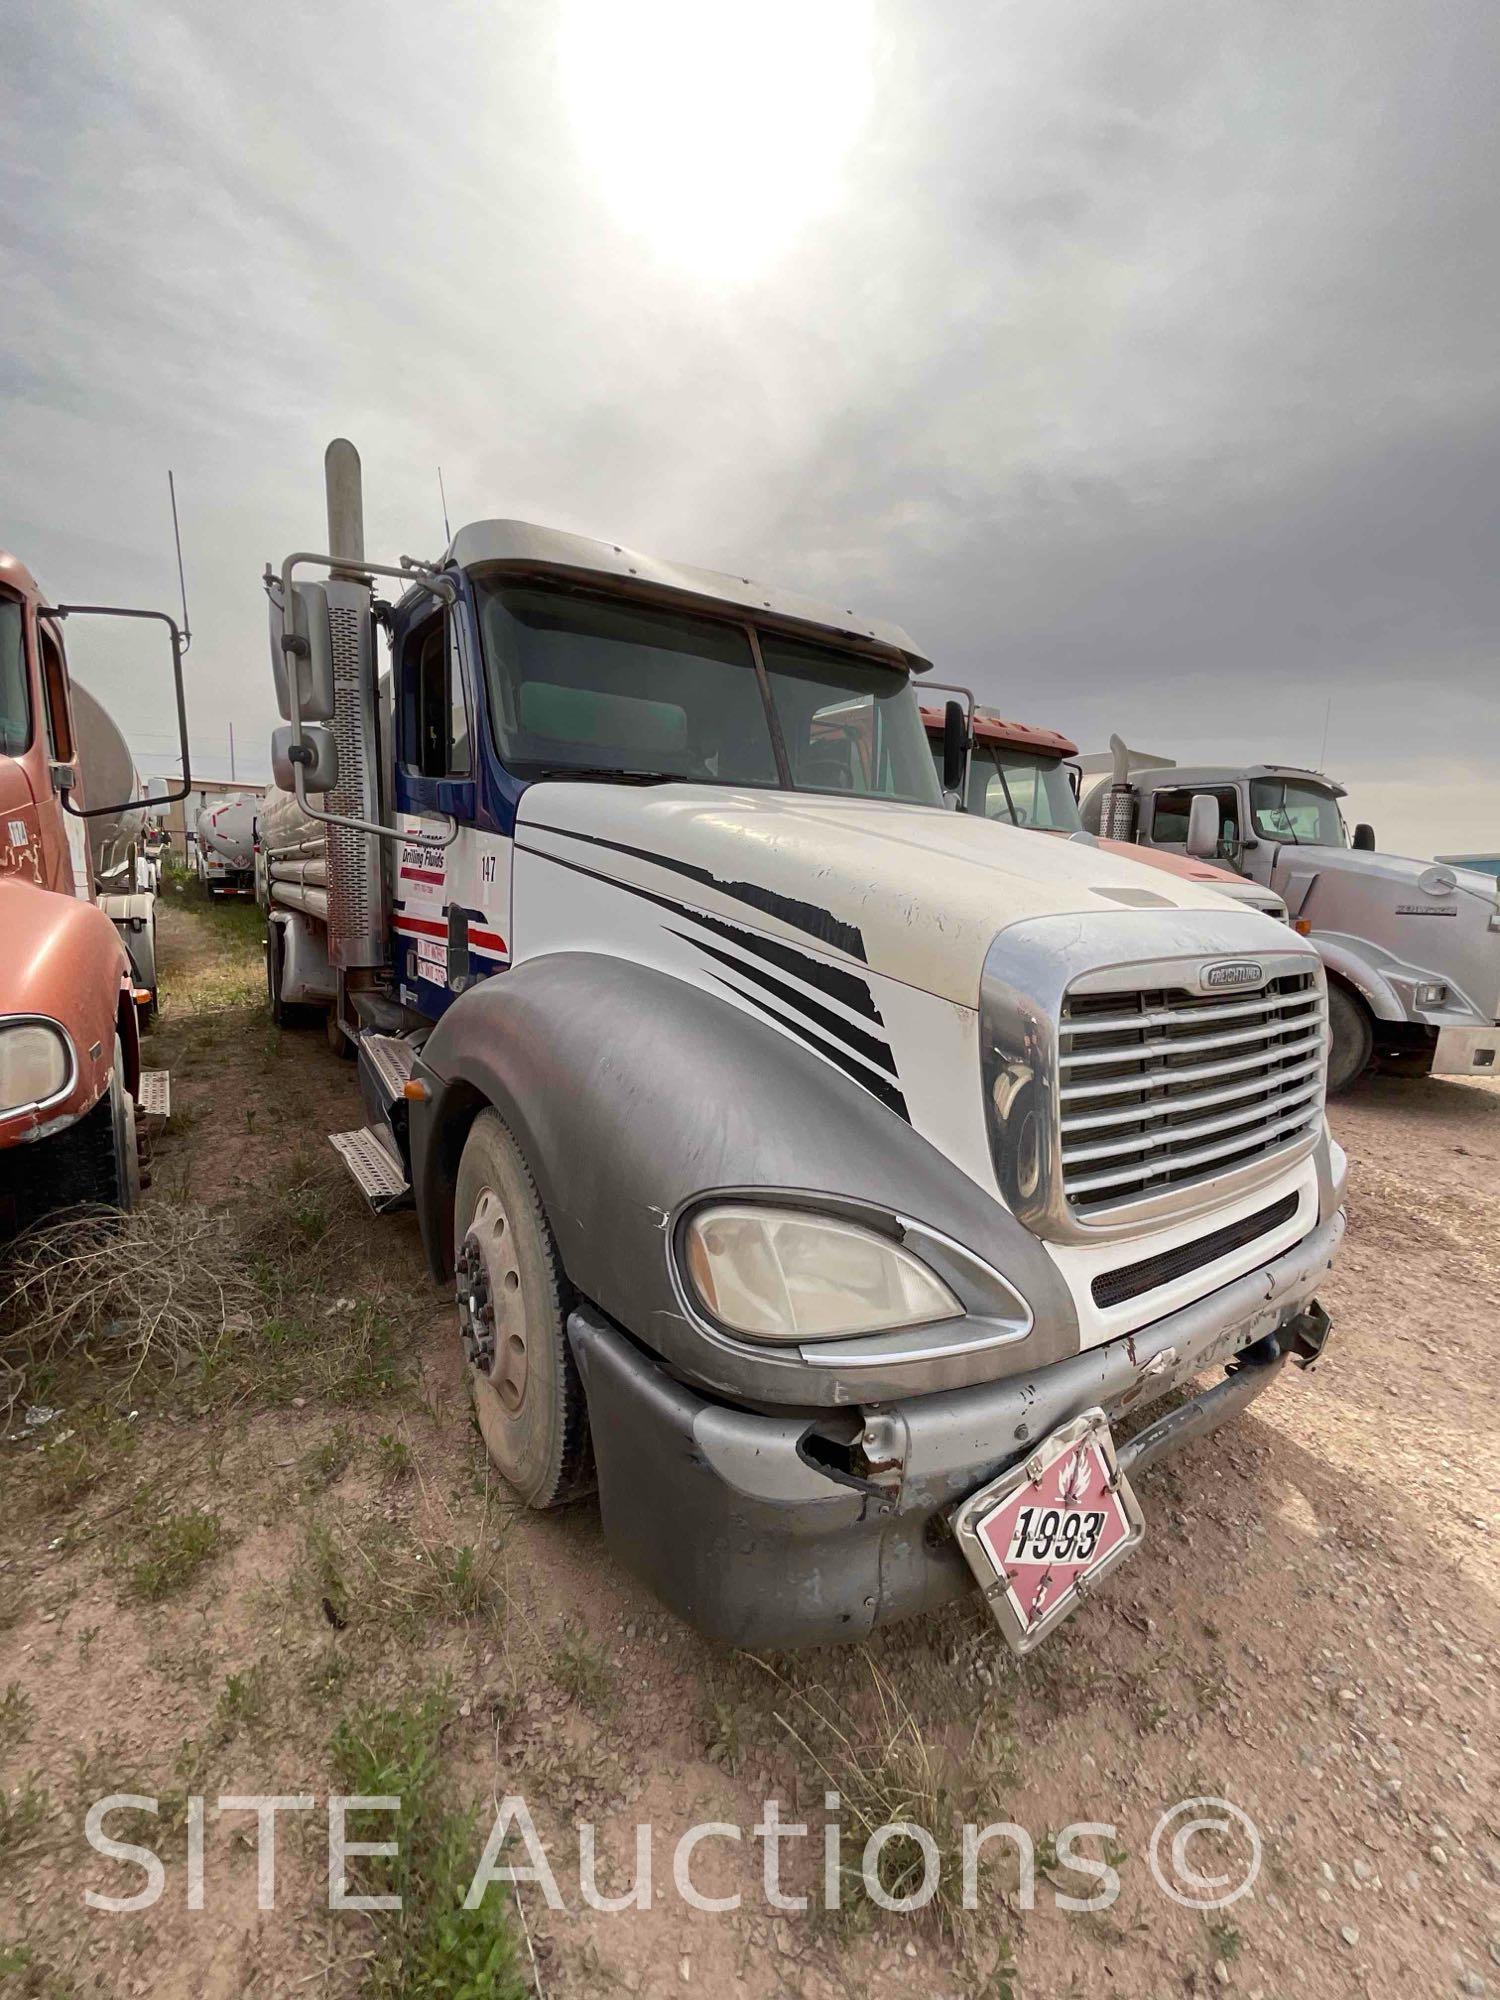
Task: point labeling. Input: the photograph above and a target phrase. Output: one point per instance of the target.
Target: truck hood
(914, 892)
(1412, 921)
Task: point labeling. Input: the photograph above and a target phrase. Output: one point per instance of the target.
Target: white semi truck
(1411, 948)
(819, 1174)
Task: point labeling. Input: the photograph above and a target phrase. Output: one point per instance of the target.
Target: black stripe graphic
(888, 1093)
(818, 923)
(869, 1046)
(830, 979)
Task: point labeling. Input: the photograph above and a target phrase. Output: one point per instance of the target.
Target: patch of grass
(245, 1698)
(417, 1583)
(356, 1359)
(13, 1602)
(326, 1674)
(59, 1473)
(15, 1714)
(888, 1771)
(178, 1547)
(724, 1735)
(1225, 1941)
(23, 1813)
(431, 1944)
(307, 1213)
(327, 1461)
(580, 1668)
(393, 1458)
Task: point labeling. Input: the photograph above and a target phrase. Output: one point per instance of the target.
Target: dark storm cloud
(1143, 365)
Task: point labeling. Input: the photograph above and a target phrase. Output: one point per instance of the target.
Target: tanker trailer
(291, 885)
(124, 881)
(226, 846)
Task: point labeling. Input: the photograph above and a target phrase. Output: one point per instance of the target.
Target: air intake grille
(1168, 1088)
(348, 853)
(1112, 1288)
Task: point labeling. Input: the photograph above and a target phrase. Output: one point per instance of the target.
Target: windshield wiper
(612, 774)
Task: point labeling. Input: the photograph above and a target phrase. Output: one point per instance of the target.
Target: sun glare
(717, 132)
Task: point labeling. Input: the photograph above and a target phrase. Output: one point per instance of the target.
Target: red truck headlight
(36, 1063)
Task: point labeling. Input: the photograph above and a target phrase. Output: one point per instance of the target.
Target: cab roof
(17, 577)
(1175, 777)
(548, 552)
(992, 728)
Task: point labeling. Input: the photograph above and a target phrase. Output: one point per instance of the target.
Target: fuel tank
(228, 830)
(108, 772)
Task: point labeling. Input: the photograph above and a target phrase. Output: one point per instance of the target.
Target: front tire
(1351, 1039)
(513, 1304)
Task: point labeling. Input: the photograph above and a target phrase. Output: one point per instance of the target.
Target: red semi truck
(1018, 773)
(71, 1001)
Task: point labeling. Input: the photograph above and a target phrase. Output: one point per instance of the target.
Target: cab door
(67, 862)
(451, 899)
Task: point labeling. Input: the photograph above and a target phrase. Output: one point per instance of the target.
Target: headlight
(777, 1274)
(1432, 996)
(35, 1063)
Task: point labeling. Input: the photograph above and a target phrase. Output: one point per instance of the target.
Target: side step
(370, 1156)
(155, 1096)
(389, 1059)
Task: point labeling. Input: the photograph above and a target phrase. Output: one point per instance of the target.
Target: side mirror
(179, 647)
(306, 637)
(955, 746)
(317, 752)
(1203, 826)
(156, 790)
(1364, 837)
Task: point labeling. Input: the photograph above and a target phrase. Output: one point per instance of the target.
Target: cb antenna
(187, 636)
(447, 531)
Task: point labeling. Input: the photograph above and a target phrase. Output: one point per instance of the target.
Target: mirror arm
(179, 647)
(425, 577)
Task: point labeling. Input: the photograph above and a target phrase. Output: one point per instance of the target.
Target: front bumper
(1467, 1052)
(732, 1521)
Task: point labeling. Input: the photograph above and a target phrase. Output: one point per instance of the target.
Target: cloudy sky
(1140, 359)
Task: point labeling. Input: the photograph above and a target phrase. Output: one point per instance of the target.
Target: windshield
(604, 689)
(1018, 787)
(15, 710)
(1287, 809)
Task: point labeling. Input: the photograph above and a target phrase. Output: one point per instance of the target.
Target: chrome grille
(1167, 1088)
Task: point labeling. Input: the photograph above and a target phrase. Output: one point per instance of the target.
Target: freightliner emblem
(1239, 973)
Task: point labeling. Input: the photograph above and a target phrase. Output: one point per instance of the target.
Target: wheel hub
(491, 1314)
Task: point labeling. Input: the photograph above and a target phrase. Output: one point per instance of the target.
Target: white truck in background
(818, 1173)
(225, 842)
(1411, 948)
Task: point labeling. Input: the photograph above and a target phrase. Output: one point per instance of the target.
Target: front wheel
(1351, 1040)
(512, 1310)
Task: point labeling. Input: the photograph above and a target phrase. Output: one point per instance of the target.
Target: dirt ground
(258, 1569)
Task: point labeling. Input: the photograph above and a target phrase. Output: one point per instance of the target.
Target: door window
(55, 691)
(436, 717)
(1169, 817)
(15, 708)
